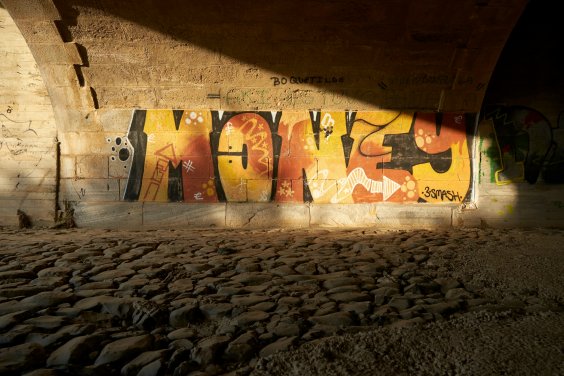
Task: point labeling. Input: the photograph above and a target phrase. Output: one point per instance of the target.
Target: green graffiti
(493, 155)
(558, 204)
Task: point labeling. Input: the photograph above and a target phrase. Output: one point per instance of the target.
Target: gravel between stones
(281, 302)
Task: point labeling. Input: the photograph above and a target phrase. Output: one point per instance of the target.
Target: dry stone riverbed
(281, 302)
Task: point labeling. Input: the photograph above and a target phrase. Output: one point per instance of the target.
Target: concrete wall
(521, 168)
(28, 155)
(521, 132)
(291, 55)
(368, 110)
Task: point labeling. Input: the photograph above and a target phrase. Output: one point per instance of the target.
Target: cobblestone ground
(217, 301)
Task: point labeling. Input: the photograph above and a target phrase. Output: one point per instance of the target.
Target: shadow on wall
(393, 55)
(522, 127)
(527, 147)
(521, 168)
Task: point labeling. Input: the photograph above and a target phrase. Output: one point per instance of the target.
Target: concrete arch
(58, 58)
(57, 62)
(28, 135)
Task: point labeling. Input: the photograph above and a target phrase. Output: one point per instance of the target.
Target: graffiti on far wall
(302, 156)
(526, 147)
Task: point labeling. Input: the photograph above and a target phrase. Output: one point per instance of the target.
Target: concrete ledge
(384, 215)
(526, 209)
(41, 212)
(267, 215)
(138, 215)
(178, 215)
(112, 215)
(414, 215)
(343, 215)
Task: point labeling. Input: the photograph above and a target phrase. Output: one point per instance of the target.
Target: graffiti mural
(526, 148)
(303, 156)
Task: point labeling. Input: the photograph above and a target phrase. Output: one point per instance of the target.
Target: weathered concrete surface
(28, 145)
(243, 56)
(95, 62)
(278, 302)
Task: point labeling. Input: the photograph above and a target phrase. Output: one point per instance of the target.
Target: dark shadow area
(384, 53)
(531, 62)
(524, 103)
